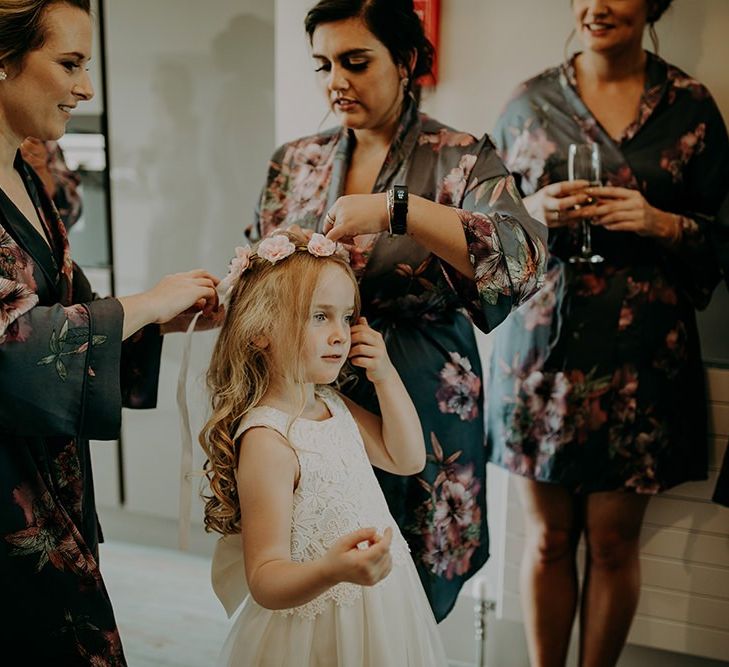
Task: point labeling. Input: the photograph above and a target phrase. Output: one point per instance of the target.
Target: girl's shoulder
(262, 415)
(333, 399)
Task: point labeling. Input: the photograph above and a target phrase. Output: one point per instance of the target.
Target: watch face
(398, 224)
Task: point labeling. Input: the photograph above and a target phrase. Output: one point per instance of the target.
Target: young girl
(322, 571)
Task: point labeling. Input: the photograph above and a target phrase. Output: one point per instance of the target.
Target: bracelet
(397, 208)
(677, 230)
(390, 206)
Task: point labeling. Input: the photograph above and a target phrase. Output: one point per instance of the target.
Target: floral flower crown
(273, 249)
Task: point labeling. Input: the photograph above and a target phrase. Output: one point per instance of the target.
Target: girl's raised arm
(394, 441)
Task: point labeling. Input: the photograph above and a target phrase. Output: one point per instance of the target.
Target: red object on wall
(429, 13)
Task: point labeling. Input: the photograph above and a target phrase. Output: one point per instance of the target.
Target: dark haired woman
(463, 251)
(597, 394)
(63, 370)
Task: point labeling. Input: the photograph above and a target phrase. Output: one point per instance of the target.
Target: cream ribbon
(185, 505)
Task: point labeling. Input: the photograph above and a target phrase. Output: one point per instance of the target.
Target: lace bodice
(337, 492)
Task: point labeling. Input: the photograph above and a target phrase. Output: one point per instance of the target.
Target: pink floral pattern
(460, 389)
(449, 521)
(596, 383)
(674, 160)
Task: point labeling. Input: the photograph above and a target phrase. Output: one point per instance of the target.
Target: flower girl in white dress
(310, 551)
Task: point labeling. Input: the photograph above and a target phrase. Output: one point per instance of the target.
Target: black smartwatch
(399, 210)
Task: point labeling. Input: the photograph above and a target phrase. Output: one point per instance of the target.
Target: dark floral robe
(424, 309)
(597, 383)
(61, 360)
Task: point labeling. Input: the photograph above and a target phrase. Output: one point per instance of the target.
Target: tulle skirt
(390, 625)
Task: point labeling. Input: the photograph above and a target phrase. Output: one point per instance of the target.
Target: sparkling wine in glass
(584, 165)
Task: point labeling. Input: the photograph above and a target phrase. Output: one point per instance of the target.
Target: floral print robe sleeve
(597, 383)
(426, 311)
(60, 353)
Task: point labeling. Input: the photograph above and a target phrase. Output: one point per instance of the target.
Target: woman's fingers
(565, 188)
(615, 216)
(329, 221)
(611, 192)
(627, 226)
(566, 203)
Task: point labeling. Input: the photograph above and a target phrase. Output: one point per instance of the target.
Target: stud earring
(3, 75)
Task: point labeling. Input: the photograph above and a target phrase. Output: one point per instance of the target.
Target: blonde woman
(64, 372)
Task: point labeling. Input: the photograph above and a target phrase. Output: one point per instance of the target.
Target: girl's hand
(365, 567)
(558, 204)
(354, 215)
(368, 351)
(626, 210)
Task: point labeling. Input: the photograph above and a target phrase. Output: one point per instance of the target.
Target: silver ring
(329, 219)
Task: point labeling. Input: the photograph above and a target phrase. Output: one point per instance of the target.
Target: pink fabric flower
(275, 248)
(321, 246)
(238, 264)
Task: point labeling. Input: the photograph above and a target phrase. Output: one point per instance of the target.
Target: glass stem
(586, 238)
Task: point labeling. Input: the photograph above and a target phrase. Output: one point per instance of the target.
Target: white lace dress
(386, 625)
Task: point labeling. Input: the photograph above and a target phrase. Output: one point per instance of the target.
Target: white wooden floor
(168, 616)
(167, 613)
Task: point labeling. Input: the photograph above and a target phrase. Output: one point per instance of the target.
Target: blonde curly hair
(268, 302)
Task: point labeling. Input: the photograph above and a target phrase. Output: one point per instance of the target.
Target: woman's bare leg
(612, 574)
(548, 570)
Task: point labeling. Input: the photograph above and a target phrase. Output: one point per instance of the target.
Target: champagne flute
(584, 164)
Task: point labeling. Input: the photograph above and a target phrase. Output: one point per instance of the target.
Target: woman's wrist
(137, 313)
(670, 229)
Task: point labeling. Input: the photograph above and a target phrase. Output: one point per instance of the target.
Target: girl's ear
(261, 342)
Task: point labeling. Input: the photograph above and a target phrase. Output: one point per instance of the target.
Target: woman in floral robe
(421, 294)
(64, 373)
(596, 398)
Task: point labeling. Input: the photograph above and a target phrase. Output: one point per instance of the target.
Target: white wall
(191, 116)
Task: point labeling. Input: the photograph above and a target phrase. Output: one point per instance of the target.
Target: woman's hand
(365, 567)
(558, 204)
(176, 293)
(170, 297)
(354, 215)
(368, 351)
(209, 319)
(626, 210)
